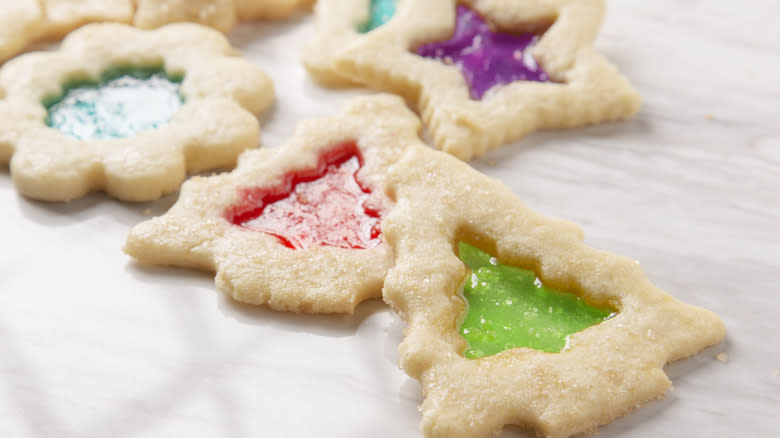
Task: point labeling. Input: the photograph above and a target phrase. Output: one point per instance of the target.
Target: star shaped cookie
(483, 73)
(610, 365)
(298, 227)
(128, 111)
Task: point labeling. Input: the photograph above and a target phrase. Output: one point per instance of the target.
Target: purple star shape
(486, 58)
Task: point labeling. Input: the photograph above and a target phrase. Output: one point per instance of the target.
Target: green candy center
(123, 103)
(508, 307)
(381, 12)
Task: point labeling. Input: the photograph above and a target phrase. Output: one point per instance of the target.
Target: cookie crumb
(709, 116)
(777, 371)
(147, 212)
(723, 357)
(492, 163)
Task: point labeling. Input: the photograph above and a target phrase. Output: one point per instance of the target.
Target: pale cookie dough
(269, 9)
(222, 95)
(337, 24)
(587, 88)
(255, 267)
(21, 22)
(604, 371)
(63, 16)
(219, 14)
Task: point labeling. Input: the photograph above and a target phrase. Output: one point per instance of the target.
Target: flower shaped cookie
(601, 373)
(81, 125)
(296, 228)
(485, 73)
(21, 22)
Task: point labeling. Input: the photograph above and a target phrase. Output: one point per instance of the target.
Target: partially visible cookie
(21, 22)
(339, 23)
(269, 9)
(483, 73)
(297, 229)
(129, 111)
(219, 14)
(589, 335)
(63, 16)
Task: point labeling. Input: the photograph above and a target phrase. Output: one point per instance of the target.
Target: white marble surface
(93, 346)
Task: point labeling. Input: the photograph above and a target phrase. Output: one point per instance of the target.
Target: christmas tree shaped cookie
(512, 319)
(128, 111)
(485, 73)
(298, 227)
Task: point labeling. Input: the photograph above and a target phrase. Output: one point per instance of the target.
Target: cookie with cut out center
(512, 319)
(481, 73)
(128, 111)
(298, 228)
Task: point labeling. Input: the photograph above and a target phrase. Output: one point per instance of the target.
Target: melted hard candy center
(508, 307)
(381, 12)
(326, 206)
(122, 104)
(486, 58)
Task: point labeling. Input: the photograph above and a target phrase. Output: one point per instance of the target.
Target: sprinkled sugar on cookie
(590, 333)
(298, 227)
(481, 73)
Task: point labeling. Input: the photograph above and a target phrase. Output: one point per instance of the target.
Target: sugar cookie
(487, 72)
(21, 22)
(219, 14)
(268, 9)
(579, 374)
(63, 16)
(296, 229)
(95, 127)
(339, 23)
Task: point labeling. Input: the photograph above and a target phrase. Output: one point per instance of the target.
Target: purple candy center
(486, 58)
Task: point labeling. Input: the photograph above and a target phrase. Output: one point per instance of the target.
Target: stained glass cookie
(486, 73)
(21, 22)
(512, 319)
(340, 23)
(297, 229)
(219, 14)
(129, 111)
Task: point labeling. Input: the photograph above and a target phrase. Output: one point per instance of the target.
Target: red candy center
(326, 206)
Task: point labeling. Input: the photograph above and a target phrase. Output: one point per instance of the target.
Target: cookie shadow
(334, 325)
(60, 214)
